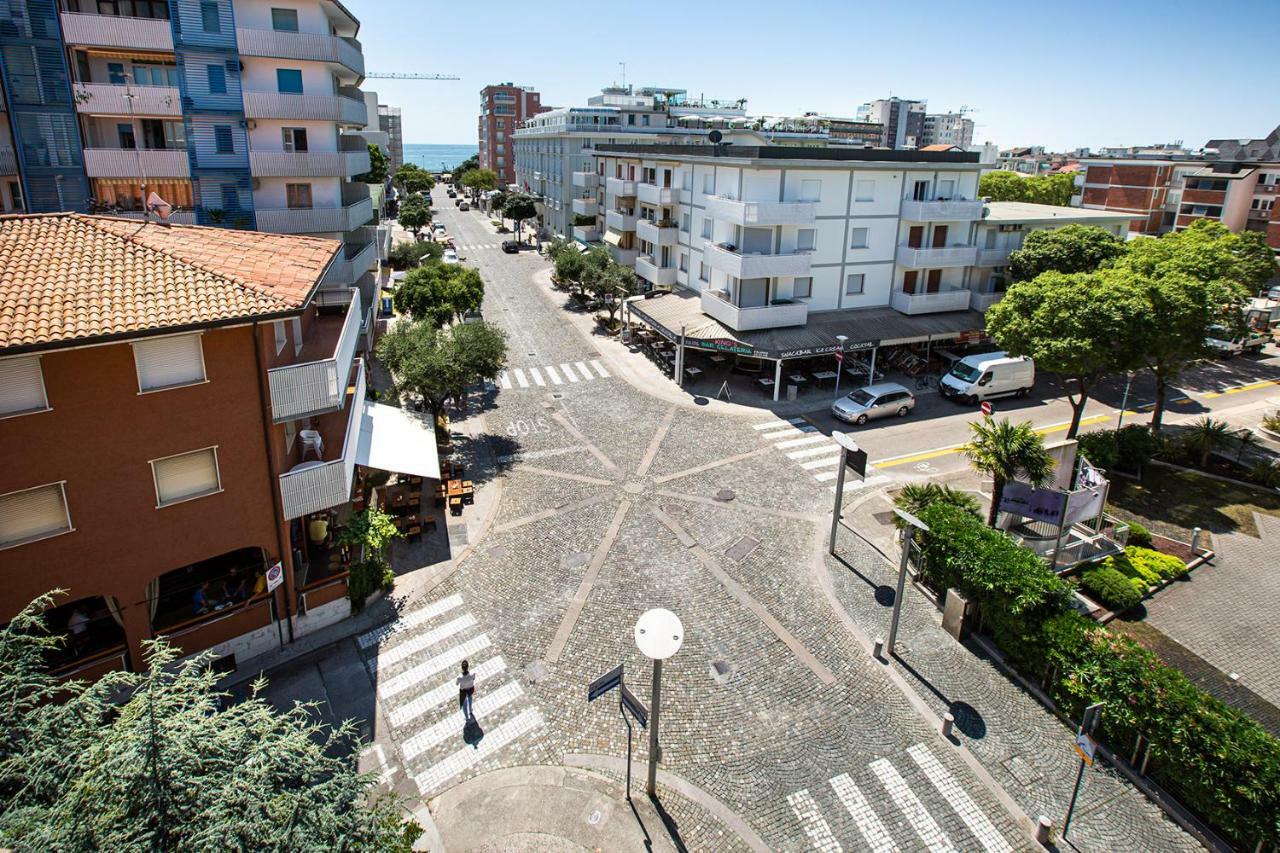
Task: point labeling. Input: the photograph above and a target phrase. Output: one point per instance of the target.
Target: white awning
(392, 439)
(613, 238)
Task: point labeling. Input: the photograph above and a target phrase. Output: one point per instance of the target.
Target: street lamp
(908, 533)
(658, 636)
(850, 456)
(840, 339)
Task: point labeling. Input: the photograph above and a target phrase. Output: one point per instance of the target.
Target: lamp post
(847, 446)
(913, 524)
(840, 339)
(659, 634)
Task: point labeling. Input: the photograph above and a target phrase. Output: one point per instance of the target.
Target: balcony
(585, 206)
(177, 217)
(8, 161)
(315, 220)
(135, 162)
(586, 180)
(942, 211)
(106, 99)
(983, 301)
(625, 257)
(929, 303)
(355, 261)
(738, 265)
(761, 212)
(950, 256)
(619, 221)
(716, 304)
(659, 234)
(647, 268)
(619, 187)
(992, 257)
(586, 233)
(89, 30)
(316, 386)
(654, 194)
(316, 485)
(337, 50)
(308, 164)
(338, 108)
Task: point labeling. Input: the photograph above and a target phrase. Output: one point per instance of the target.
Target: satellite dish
(715, 136)
(159, 207)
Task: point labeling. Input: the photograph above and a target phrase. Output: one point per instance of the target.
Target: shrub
(367, 576)
(583, 219)
(1101, 447)
(914, 497)
(1163, 566)
(1113, 589)
(1139, 536)
(405, 254)
(1265, 473)
(1137, 445)
(1272, 421)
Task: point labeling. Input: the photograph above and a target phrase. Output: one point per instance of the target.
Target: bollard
(877, 651)
(1044, 828)
(1195, 541)
(948, 723)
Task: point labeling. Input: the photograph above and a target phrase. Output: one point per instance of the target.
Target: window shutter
(32, 513)
(21, 386)
(169, 362)
(186, 476)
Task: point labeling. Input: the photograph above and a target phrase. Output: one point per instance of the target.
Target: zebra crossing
(549, 375)
(899, 821)
(816, 454)
(415, 661)
(462, 245)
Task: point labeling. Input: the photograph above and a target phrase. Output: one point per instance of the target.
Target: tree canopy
(439, 293)
(438, 364)
(407, 254)
(519, 207)
(1039, 189)
(413, 179)
(1073, 248)
(377, 173)
(459, 172)
(480, 180)
(1007, 451)
(414, 213)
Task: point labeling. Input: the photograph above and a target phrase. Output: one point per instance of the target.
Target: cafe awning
(392, 439)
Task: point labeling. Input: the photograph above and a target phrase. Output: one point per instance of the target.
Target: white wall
(322, 136)
(260, 75)
(271, 194)
(256, 15)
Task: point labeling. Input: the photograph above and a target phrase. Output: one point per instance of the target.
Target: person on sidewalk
(466, 691)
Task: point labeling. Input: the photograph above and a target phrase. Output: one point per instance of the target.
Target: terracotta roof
(67, 277)
(941, 146)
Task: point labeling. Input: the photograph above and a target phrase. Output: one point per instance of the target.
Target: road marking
(426, 669)
(414, 746)
(798, 442)
(824, 476)
(956, 448)
(863, 815)
(821, 463)
(973, 816)
(604, 374)
(788, 430)
(776, 424)
(853, 483)
(911, 807)
(811, 451)
(555, 377)
(814, 824)
(504, 380)
(1252, 386)
(409, 620)
(418, 642)
(568, 373)
(525, 722)
(537, 377)
(524, 383)
(586, 372)
(436, 696)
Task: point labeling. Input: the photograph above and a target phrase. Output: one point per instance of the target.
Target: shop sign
(830, 348)
(720, 345)
(1027, 501)
(275, 577)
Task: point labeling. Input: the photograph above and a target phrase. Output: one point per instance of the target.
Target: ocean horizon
(435, 157)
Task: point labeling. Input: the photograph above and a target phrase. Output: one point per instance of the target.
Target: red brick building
(502, 107)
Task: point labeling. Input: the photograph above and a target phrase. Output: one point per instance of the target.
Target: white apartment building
(947, 129)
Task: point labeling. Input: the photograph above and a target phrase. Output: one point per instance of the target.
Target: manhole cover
(721, 671)
(726, 495)
(634, 488)
(594, 817)
(535, 671)
(576, 561)
(741, 549)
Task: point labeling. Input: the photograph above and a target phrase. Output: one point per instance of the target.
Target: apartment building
(234, 111)
(849, 131)
(503, 106)
(947, 129)
(903, 121)
(177, 403)
(389, 123)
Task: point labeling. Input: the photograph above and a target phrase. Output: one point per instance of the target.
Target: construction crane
(394, 76)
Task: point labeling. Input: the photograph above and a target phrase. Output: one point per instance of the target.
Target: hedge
(1220, 763)
(1139, 536)
(1110, 587)
(1146, 568)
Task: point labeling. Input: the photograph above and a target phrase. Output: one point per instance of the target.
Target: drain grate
(741, 549)
(726, 495)
(721, 671)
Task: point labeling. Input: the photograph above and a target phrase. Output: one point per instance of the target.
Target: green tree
(914, 497)
(412, 179)
(1205, 436)
(460, 171)
(1256, 260)
(1074, 248)
(480, 180)
(408, 254)
(439, 293)
(1039, 189)
(1077, 325)
(497, 202)
(569, 262)
(1002, 185)
(519, 207)
(438, 365)
(377, 173)
(1006, 451)
(613, 285)
(414, 214)
(161, 760)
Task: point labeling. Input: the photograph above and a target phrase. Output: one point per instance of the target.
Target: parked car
(992, 374)
(1221, 342)
(452, 194)
(450, 257)
(464, 206)
(874, 401)
(439, 228)
(511, 247)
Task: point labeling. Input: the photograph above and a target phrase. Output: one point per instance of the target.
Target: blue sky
(1087, 73)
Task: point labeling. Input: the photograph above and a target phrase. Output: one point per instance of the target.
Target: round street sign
(845, 440)
(659, 633)
(987, 408)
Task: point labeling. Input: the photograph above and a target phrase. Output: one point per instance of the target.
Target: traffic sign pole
(987, 408)
(1085, 746)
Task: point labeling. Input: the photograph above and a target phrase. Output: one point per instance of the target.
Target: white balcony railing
(315, 220)
(106, 99)
(317, 47)
(308, 164)
(619, 187)
(761, 212)
(177, 217)
(992, 257)
(116, 31)
(586, 233)
(135, 162)
(654, 194)
(716, 304)
(755, 266)
(950, 256)
(584, 206)
(625, 257)
(326, 484)
(659, 235)
(983, 301)
(586, 180)
(345, 271)
(8, 161)
(315, 387)
(647, 268)
(619, 221)
(942, 211)
(305, 107)
(929, 303)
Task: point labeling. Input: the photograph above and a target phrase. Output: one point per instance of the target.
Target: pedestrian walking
(466, 691)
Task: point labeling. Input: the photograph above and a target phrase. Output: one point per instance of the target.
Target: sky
(1062, 75)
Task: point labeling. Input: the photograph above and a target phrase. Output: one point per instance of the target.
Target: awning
(613, 238)
(392, 439)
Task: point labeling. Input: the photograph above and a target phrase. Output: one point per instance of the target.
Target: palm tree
(914, 497)
(1007, 451)
(1206, 436)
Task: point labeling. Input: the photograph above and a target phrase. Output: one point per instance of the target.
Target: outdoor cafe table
(693, 372)
(825, 375)
(765, 384)
(719, 358)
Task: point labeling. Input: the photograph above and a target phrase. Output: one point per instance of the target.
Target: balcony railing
(585, 180)
(584, 206)
(8, 161)
(107, 99)
(177, 217)
(326, 484)
(949, 256)
(619, 221)
(993, 257)
(738, 265)
(625, 257)
(315, 220)
(716, 304)
(346, 270)
(338, 50)
(619, 187)
(660, 235)
(134, 162)
(647, 268)
(315, 387)
(761, 212)
(586, 233)
(116, 31)
(983, 301)
(654, 194)
(308, 164)
(929, 303)
(337, 108)
(942, 211)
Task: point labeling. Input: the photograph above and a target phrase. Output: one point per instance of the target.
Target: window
(811, 191)
(802, 288)
(685, 220)
(169, 362)
(186, 476)
(289, 81)
(21, 387)
(806, 239)
(230, 196)
(946, 189)
(15, 192)
(858, 238)
(684, 262)
(703, 274)
(295, 326)
(864, 191)
(209, 18)
(126, 137)
(222, 140)
(115, 73)
(299, 195)
(853, 283)
(295, 139)
(706, 228)
(290, 434)
(284, 20)
(281, 338)
(33, 514)
(217, 79)
(709, 183)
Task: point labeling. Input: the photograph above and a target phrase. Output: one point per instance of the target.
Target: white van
(992, 374)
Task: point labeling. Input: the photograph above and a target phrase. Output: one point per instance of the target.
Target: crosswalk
(461, 245)
(415, 661)
(548, 375)
(816, 454)
(900, 820)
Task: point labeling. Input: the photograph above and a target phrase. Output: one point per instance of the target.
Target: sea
(432, 157)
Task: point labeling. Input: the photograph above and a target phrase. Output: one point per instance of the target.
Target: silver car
(874, 401)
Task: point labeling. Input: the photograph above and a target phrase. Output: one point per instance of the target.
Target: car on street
(464, 206)
(993, 374)
(511, 247)
(450, 257)
(874, 401)
(452, 194)
(439, 228)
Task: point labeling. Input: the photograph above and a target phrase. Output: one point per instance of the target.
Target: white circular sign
(845, 440)
(659, 633)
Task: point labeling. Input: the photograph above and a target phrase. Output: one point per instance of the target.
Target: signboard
(840, 355)
(823, 350)
(275, 577)
(720, 345)
(1086, 747)
(856, 461)
(1085, 504)
(604, 683)
(635, 707)
(1026, 500)
(987, 408)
